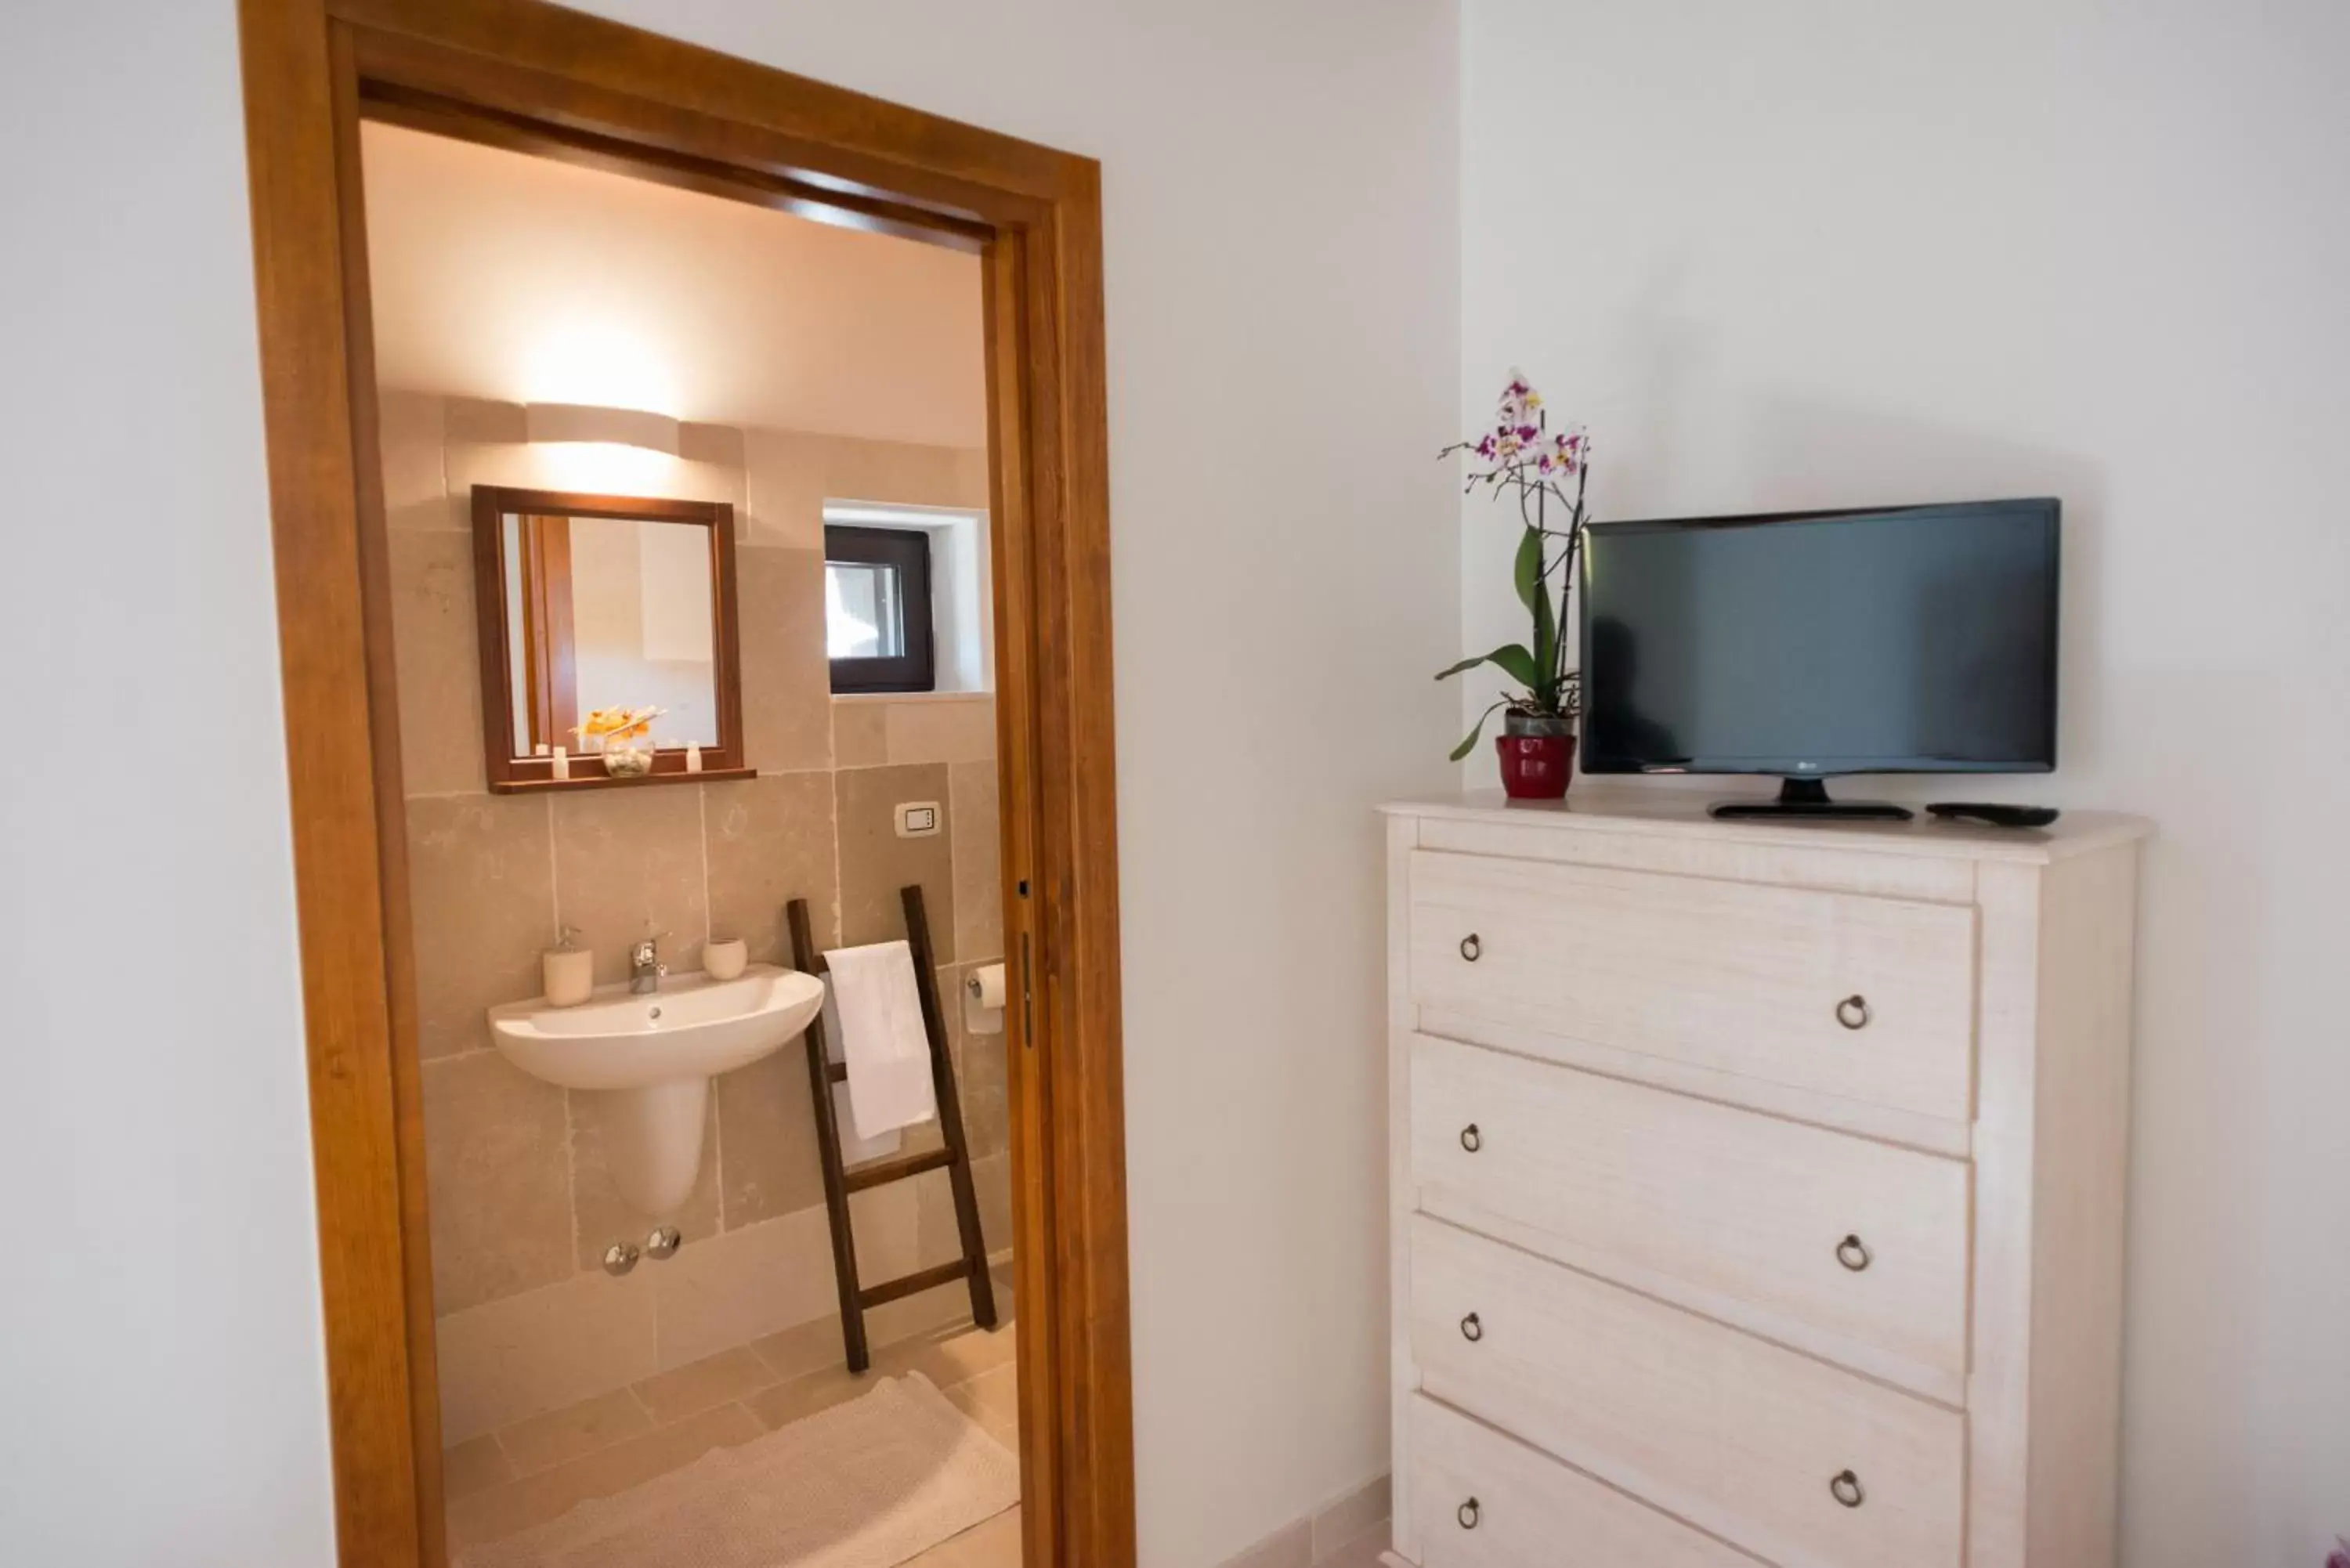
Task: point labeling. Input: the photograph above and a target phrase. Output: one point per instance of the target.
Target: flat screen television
(1893, 639)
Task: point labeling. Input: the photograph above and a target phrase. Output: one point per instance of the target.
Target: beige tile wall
(522, 1205)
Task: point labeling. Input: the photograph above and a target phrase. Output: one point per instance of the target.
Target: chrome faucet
(645, 967)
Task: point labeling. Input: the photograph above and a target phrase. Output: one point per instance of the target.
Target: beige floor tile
(504, 1511)
(993, 1544)
(955, 1357)
(934, 1316)
(615, 1441)
(948, 1358)
(804, 1397)
(697, 1386)
(1363, 1551)
(474, 1466)
(561, 1436)
(993, 1400)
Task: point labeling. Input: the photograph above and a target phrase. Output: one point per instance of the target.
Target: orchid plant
(1521, 459)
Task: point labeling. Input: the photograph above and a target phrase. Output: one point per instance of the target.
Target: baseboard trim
(1320, 1535)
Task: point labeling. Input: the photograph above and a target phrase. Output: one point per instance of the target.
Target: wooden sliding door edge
(1078, 852)
(540, 80)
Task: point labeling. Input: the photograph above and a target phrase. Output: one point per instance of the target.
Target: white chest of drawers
(1757, 1189)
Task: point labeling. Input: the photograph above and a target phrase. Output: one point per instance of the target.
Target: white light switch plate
(917, 819)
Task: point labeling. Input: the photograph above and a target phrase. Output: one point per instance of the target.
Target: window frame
(906, 551)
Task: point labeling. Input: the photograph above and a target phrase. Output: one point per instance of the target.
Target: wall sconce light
(583, 423)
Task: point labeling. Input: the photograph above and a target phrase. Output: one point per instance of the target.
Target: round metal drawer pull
(1472, 948)
(1470, 1139)
(1469, 1513)
(1854, 1253)
(1853, 1011)
(1846, 1490)
(1472, 1328)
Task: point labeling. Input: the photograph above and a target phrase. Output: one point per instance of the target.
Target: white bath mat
(867, 1484)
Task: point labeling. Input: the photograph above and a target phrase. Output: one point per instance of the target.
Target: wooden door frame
(529, 75)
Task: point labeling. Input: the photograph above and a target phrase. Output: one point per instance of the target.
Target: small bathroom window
(878, 619)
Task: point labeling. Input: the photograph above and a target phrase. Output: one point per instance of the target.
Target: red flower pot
(1535, 767)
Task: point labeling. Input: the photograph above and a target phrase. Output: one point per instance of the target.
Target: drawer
(1736, 1436)
(1863, 998)
(1479, 1500)
(1728, 1202)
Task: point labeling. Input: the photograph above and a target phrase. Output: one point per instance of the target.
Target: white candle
(693, 759)
(562, 764)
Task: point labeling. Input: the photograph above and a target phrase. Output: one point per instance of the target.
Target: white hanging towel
(854, 1150)
(881, 1037)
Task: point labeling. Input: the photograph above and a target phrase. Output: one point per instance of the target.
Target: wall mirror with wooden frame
(609, 653)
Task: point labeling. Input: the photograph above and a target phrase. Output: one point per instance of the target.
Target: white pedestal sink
(652, 1056)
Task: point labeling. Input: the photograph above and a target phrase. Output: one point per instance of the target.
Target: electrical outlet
(917, 819)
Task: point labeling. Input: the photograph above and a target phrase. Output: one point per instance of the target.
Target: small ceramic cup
(723, 957)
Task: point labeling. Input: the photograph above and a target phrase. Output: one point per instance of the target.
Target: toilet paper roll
(990, 979)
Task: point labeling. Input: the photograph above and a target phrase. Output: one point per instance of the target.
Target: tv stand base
(1809, 798)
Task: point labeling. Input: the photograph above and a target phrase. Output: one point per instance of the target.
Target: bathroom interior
(686, 501)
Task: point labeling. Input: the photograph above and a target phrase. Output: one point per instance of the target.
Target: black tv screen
(1906, 639)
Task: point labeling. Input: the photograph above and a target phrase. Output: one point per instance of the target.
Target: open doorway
(640, 1328)
(365, 720)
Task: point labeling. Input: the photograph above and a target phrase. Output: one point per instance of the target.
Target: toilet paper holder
(974, 985)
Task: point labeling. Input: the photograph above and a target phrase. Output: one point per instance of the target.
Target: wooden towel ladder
(840, 1181)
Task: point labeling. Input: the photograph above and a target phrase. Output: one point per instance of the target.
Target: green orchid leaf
(1529, 570)
(1511, 659)
(1514, 662)
(1450, 671)
(1545, 650)
(1470, 745)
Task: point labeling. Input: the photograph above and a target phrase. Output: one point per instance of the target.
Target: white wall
(1280, 185)
(495, 275)
(1825, 252)
(162, 1394)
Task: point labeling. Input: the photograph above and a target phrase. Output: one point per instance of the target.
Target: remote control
(1996, 816)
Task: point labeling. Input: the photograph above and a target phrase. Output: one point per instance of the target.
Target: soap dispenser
(568, 970)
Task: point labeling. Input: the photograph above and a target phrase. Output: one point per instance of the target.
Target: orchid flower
(1521, 456)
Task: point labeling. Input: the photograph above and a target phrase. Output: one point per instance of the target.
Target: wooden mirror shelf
(578, 616)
